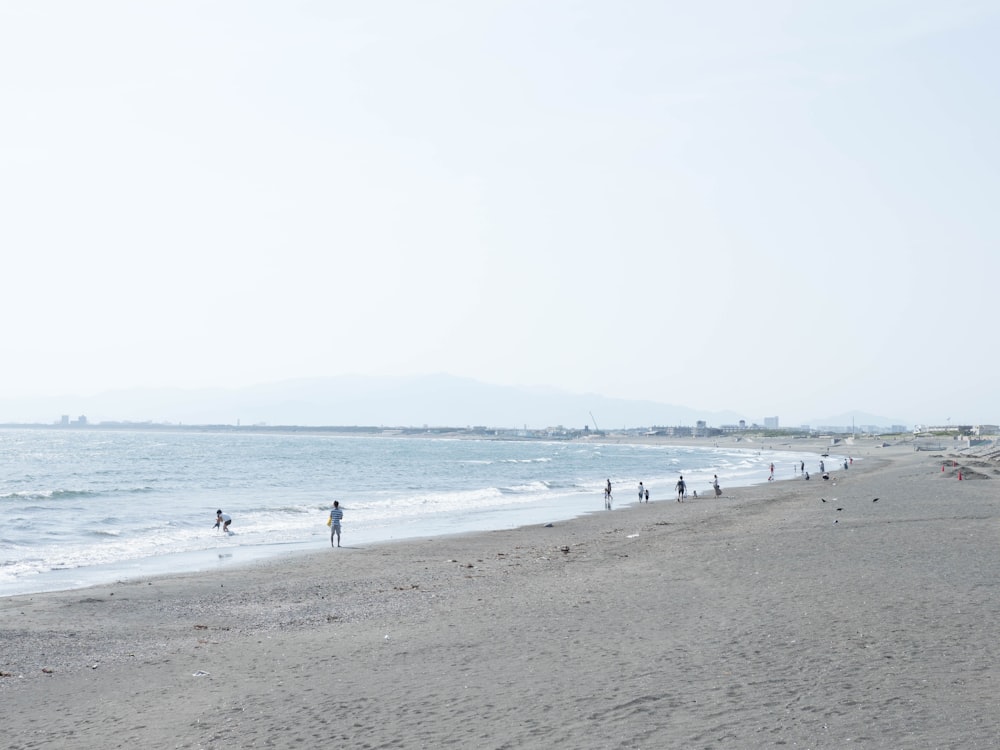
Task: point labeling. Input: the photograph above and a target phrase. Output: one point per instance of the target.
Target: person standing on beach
(647, 494)
(223, 520)
(642, 491)
(715, 485)
(336, 516)
(681, 489)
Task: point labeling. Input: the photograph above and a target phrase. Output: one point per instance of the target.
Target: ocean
(86, 506)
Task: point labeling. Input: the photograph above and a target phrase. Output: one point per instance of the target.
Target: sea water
(90, 505)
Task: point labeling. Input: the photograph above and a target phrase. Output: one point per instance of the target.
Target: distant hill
(433, 400)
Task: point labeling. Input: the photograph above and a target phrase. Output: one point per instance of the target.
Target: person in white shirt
(223, 520)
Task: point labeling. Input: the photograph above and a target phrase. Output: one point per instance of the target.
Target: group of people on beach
(680, 487)
(223, 521)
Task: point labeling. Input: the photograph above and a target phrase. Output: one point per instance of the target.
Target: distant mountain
(432, 400)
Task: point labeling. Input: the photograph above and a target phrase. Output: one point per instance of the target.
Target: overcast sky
(781, 208)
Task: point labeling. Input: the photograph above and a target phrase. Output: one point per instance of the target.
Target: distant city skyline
(400, 401)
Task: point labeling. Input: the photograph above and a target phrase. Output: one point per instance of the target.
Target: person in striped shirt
(336, 515)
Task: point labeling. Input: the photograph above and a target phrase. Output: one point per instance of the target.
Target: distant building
(678, 431)
(64, 421)
(770, 423)
(961, 429)
(836, 429)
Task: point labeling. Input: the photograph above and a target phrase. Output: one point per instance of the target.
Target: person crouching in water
(223, 520)
(336, 516)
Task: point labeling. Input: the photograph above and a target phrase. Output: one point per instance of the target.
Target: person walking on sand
(681, 489)
(647, 494)
(642, 492)
(336, 516)
(223, 520)
(715, 485)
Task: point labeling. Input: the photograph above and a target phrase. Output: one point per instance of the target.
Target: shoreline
(213, 559)
(764, 618)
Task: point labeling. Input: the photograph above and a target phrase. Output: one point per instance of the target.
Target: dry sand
(765, 619)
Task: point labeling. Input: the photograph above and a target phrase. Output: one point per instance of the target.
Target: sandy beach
(767, 618)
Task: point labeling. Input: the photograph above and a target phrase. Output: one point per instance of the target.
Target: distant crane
(598, 429)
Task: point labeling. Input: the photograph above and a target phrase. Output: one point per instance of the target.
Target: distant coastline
(750, 440)
(708, 436)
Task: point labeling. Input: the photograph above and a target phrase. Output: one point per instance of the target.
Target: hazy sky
(781, 208)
